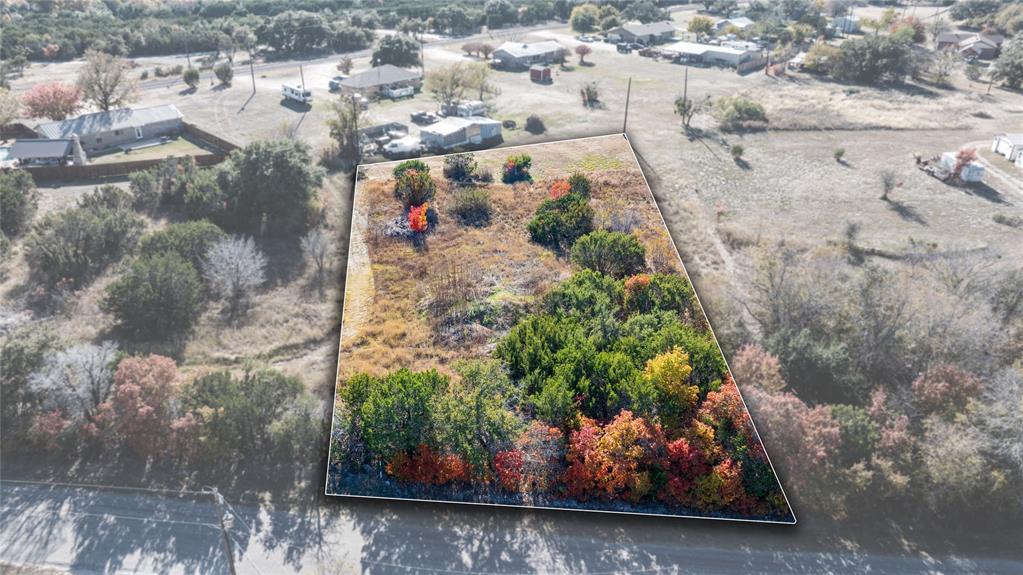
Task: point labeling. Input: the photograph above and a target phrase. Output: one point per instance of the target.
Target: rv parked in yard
(297, 93)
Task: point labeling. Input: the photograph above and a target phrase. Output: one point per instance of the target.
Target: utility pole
(252, 72)
(301, 75)
(685, 86)
(218, 501)
(628, 96)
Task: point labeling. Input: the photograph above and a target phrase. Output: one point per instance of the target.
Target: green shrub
(19, 201)
(190, 240)
(662, 292)
(190, 77)
(414, 188)
(737, 150)
(839, 154)
(585, 291)
(107, 197)
(472, 207)
(5, 248)
(611, 253)
(737, 113)
(77, 244)
(417, 165)
(159, 296)
(535, 125)
(460, 167)
(579, 184)
(202, 196)
(145, 191)
(516, 169)
(558, 223)
(224, 72)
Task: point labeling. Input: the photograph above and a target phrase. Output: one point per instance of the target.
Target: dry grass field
(390, 301)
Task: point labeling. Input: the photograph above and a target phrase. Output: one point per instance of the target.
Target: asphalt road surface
(110, 530)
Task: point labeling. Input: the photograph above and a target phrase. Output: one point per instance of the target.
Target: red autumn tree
(428, 466)
(508, 467)
(543, 450)
(721, 488)
(417, 218)
(755, 367)
(945, 390)
(616, 461)
(139, 410)
(53, 100)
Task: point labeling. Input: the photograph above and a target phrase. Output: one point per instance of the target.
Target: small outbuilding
(1008, 145)
(540, 73)
(455, 132)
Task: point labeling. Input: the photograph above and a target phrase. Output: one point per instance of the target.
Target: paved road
(106, 530)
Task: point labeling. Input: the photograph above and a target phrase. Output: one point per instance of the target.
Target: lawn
(534, 342)
(178, 147)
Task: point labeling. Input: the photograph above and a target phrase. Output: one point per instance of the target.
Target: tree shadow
(984, 191)
(743, 164)
(905, 211)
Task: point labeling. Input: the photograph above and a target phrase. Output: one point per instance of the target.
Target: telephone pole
(252, 72)
(225, 524)
(628, 96)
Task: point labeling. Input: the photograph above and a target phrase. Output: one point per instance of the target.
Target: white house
(524, 55)
(741, 23)
(693, 52)
(454, 132)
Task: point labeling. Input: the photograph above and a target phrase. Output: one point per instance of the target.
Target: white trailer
(297, 93)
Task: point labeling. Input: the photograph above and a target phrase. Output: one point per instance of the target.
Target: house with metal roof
(103, 131)
(650, 33)
(379, 78)
(521, 55)
(1010, 146)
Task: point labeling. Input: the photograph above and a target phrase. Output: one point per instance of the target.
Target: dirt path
(359, 287)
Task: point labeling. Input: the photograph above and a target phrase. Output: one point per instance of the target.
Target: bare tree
(348, 117)
(1001, 418)
(76, 380)
(447, 84)
(688, 108)
(234, 268)
(889, 181)
(10, 107)
(316, 249)
(105, 81)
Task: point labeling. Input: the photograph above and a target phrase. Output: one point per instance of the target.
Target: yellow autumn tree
(669, 372)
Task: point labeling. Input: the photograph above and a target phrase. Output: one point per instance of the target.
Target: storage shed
(454, 132)
(540, 73)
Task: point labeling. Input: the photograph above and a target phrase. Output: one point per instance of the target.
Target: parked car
(424, 117)
(624, 47)
(585, 38)
(335, 83)
(648, 52)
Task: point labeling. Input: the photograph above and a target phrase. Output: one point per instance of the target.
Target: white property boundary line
(649, 191)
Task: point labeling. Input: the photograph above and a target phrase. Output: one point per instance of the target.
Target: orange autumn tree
(428, 466)
(559, 189)
(417, 219)
(535, 464)
(615, 461)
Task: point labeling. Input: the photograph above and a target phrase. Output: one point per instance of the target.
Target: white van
(406, 147)
(297, 93)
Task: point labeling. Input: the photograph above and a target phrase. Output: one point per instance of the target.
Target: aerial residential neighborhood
(842, 180)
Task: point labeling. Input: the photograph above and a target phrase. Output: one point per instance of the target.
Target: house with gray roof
(102, 131)
(522, 55)
(42, 152)
(379, 78)
(651, 33)
(741, 23)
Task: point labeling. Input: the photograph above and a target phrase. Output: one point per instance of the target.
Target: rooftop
(524, 50)
(741, 22)
(452, 124)
(697, 49)
(99, 122)
(655, 28)
(40, 148)
(1016, 139)
(379, 76)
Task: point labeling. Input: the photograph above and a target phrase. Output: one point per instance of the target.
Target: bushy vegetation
(190, 240)
(535, 125)
(75, 245)
(736, 113)
(160, 296)
(472, 206)
(558, 223)
(19, 201)
(460, 168)
(869, 60)
(610, 253)
(610, 389)
(516, 169)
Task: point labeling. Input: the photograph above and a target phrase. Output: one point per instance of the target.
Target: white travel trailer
(297, 93)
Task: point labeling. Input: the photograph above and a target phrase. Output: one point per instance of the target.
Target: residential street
(131, 531)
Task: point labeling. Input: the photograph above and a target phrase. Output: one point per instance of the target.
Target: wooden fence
(91, 171)
(213, 139)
